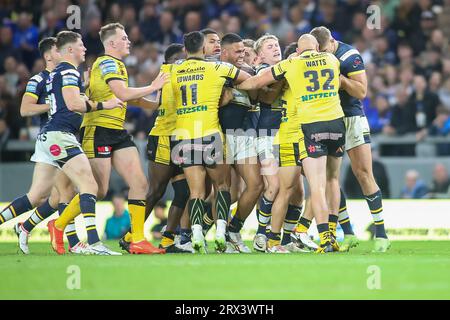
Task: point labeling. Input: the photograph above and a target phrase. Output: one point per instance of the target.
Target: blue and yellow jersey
(61, 118)
(36, 89)
(197, 87)
(166, 120)
(290, 122)
(351, 64)
(105, 69)
(269, 114)
(314, 80)
(233, 115)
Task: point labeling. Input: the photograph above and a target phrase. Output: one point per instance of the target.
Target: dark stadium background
(406, 58)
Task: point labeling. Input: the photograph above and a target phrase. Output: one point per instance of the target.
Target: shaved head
(307, 42)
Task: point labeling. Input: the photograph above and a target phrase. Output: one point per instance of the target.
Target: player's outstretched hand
(160, 80)
(113, 103)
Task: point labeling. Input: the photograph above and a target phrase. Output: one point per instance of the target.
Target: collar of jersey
(64, 61)
(195, 58)
(108, 55)
(307, 52)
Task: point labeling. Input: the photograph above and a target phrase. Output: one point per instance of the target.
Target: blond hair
(260, 42)
(109, 30)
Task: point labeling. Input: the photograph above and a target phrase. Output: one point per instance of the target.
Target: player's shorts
(324, 138)
(357, 131)
(288, 154)
(207, 151)
(159, 151)
(265, 148)
(100, 142)
(239, 147)
(56, 148)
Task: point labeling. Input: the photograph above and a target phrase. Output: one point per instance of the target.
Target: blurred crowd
(406, 55)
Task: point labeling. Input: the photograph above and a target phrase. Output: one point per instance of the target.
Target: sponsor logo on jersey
(191, 110)
(309, 97)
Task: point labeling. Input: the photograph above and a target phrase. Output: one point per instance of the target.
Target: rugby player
(198, 141)
(35, 102)
(289, 200)
(103, 137)
(354, 88)
(161, 168)
(268, 50)
(321, 123)
(241, 152)
(57, 146)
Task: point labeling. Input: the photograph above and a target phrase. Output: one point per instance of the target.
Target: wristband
(100, 106)
(88, 107)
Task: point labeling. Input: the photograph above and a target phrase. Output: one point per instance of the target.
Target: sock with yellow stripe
(15, 209)
(264, 214)
(375, 202)
(39, 214)
(324, 231)
(87, 205)
(137, 217)
(72, 210)
(208, 219)
(344, 219)
(290, 221)
(332, 224)
(168, 239)
(274, 239)
(70, 230)
(303, 225)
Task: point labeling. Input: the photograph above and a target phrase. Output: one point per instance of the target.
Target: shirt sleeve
(35, 86)
(71, 78)
(280, 69)
(352, 63)
(227, 70)
(111, 70)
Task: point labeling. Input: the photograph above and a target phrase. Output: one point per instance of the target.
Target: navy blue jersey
(351, 63)
(232, 115)
(269, 114)
(36, 88)
(61, 118)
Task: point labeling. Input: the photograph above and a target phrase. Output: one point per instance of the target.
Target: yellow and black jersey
(314, 80)
(166, 120)
(290, 123)
(105, 69)
(197, 86)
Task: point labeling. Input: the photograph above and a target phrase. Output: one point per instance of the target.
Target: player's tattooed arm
(125, 93)
(355, 85)
(29, 106)
(77, 103)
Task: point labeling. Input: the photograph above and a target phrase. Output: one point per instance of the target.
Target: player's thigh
(101, 169)
(251, 174)
(160, 175)
(128, 165)
(333, 167)
(195, 177)
(288, 179)
(42, 182)
(361, 158)
(64, 186)
(79, 171)
(315, 172)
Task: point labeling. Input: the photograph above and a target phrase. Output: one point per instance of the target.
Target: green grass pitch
(410, 270)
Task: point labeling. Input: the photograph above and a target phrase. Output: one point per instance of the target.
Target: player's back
(288, 132)
(166, 120)
(105, 69)
(197, 86)
(65, 75)
(314, 80)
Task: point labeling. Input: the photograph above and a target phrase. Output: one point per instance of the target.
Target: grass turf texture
(410, 270)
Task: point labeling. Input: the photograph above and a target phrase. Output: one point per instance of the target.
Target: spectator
(219, 7)
(117, 226)
(279, 25)
(92, 40)
(11, 76)
(192, 21)
(414, 187)
(52, 25)
(6, 47)
(167, 33)
(149, 21)
(159, 213)
(382, 55)
(26, 37)
(444, 94)
(440, 186)
(441, 127)
(379, 116)
(297, 17)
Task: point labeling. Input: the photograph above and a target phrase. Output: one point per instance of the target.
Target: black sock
(196, 210)
(87, 205)
(223, 203)
(344, 219)
(16, 208)
(264, 214)
(70, 229)
(290, 222)
(235, 225)
(39, 214)
(375, 202)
